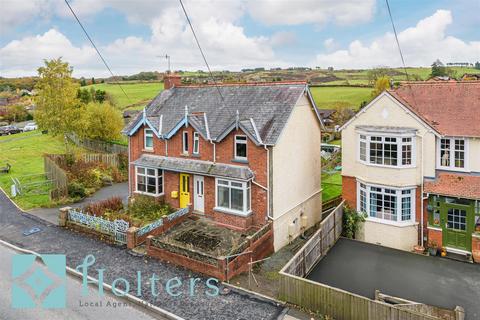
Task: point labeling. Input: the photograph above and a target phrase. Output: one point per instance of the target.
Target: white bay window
(233, 196)
(386, 204)
(149, 181)
(383, 150)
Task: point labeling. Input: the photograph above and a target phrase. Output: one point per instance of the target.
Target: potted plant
(418, 249)
(444, 252)
(476, 255)
(432, 247)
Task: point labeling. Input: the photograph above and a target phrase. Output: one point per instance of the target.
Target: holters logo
(35, 285)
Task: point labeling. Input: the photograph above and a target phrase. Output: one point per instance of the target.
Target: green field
(24, 151)
(332, 186)
(140, 93)
(330, 97)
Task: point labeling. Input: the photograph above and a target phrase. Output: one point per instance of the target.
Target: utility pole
(166, 56)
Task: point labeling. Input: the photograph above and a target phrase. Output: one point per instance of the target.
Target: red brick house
(238, 154)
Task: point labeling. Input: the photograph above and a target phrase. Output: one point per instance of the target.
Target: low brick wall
(133, 239)
(476, 247)
(223, 268)
(435, 235)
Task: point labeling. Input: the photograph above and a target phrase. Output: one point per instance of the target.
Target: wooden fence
(326, 300)
(107, 158)
(57, 175)
(97, 145)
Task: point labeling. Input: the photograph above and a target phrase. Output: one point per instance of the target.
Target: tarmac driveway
(361, 268)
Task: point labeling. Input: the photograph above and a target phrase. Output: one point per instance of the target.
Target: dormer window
(196, 143)
(148, 139)
(240, 147)
(185, 142)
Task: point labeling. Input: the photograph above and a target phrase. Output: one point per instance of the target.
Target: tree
(382, 84)
(375, 73)
(438, 69)
(83, 83)
(477, 65)
(84, 95)
(93, 80)
(101, 121)
(57, 105)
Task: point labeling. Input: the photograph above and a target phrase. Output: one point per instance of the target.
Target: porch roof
(206, 168)
(456, 185)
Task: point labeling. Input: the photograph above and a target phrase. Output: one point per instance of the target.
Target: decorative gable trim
(177, 127)
(232, 127)
(398, 103)
(144, 121)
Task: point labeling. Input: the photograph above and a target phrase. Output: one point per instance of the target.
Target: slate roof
(195, 167)
(456, 185)
(451, 108)
(268, 106)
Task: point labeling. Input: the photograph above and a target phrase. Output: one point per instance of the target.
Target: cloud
(283, 38)
(318, 12)
(29, 52)
(421, 45)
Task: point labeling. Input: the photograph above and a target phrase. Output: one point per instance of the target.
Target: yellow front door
(184, 190)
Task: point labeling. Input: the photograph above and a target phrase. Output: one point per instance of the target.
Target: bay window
(452, 153)
(392, 151)
(233, 196)
(386, 204)
(149, 181)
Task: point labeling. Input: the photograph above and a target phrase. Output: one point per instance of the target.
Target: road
(124, 310)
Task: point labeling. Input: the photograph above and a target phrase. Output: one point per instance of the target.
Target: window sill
(238, 160)
(392, 223)
(149, 194)
(184, 154)
(452, 169)
(195, 155)
(386, 166)
(148, 150)
(233, 212)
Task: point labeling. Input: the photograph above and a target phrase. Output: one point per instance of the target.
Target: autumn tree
(101, 121)
(57, 106)
(382, 84)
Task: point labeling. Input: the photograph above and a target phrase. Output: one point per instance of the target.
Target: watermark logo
(34, 285)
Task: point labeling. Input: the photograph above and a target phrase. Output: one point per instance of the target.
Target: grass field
(24, 151)
(332, 186)
(139, 93)
(329, 97)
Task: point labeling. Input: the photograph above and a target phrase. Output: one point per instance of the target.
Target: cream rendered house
(411, 161)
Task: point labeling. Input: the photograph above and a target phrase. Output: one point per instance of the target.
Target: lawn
(332, 186)
(140, 93)
(330, 97)
(24, 151)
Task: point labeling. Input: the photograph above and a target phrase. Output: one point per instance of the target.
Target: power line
(96, 49)
(203, 55)
(396, 39)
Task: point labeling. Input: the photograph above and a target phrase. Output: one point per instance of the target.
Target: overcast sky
(235, 34)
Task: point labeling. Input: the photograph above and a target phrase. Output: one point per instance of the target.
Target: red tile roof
(451, 108)
(457, 185)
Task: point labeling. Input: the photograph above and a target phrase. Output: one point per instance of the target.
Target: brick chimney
(171, 80)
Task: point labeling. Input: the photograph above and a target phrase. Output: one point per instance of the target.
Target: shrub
(76, 190)
(99, 208)
(148, 208)
(351, 222)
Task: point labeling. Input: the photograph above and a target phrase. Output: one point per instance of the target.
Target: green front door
(457, 231)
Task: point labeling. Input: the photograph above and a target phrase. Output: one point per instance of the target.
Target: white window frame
(147, 133)
(367, 139)
(242, 141)
(196, 143)
(366, 187)
(247, 196)
(452, 167)
(185, 142)
(158, 174)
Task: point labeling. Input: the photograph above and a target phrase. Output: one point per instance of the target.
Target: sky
(134, 36)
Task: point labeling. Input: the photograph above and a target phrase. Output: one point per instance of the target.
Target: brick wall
(349, 191)
(435, 235)
(257, 162)
(476, 248)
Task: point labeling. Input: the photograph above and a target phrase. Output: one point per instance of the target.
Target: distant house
(411, 161)
(326, 115)
(238, 154)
